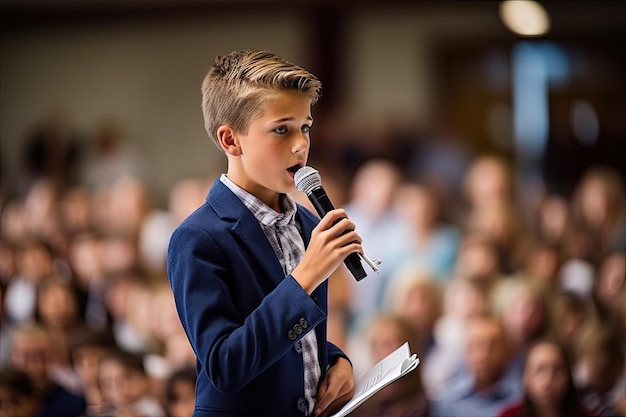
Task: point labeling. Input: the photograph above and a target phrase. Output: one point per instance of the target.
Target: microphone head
(307, 179)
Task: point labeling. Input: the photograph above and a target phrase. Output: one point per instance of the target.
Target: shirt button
(297, 328)
(304, 323)
(292, 335)
(302, 405)
(298, 346)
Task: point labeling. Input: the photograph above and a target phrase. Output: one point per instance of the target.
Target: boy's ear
(228, 141)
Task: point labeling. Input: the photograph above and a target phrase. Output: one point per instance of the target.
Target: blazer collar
(248, 232)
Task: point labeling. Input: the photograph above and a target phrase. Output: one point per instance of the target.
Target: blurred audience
(479, 282)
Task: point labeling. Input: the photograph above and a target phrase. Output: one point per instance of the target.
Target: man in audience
(31, 351)
(487, 385)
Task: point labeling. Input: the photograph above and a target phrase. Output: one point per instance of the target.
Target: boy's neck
(273, 199)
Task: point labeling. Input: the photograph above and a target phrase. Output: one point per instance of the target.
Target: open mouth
(294, 168)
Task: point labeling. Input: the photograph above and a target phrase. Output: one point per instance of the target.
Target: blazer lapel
(246, 229)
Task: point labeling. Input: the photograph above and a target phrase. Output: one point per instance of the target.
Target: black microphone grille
(307, 179)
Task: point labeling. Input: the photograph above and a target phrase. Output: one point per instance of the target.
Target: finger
(331, 217)
(343, 225)
(325, 396)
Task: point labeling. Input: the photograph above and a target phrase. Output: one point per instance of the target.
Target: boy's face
(263, 161)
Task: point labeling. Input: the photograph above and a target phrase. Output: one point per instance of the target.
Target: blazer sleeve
(233, 348)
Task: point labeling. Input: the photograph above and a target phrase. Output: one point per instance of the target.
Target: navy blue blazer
(243, 317)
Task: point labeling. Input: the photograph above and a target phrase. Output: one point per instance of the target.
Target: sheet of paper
(395, 365)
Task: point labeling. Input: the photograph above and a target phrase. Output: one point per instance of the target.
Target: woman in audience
(548, 387)
(599, 207)
(525, 311)
(600, 370)
(57, 312)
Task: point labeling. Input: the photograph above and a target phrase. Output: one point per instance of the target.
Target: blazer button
(304, 323)
(298, 346)
(297, 328)
(292, 335)
(302, 405)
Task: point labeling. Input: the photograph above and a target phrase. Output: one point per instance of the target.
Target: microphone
(309, 181)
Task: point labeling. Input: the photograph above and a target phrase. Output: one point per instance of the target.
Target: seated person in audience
(463, 298)
(31, 351)
(488, 385)
(18, 397)
(124, 386)
(180, 392)
(404, 397)
(548, 387)
(87, 348)
(600, 370)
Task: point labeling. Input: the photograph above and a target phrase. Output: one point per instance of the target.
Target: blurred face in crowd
(417, 205)
(553, 218)
(419, 305)
(58, 306)
(182, 401)
(31, 352)
(525, 316)
(487, 351)
(119, 385)
(385, 337)
(611, 277)
(465, 298)
(86, 360)
(546, 377)
(374, 185)
(594, 202)
(596, 371)
(85, 258)
(34, 262)
(477, 257)
(488, 182)
(543, 263)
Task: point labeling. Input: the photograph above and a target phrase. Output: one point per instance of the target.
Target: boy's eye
(305, 129)
(281, 130)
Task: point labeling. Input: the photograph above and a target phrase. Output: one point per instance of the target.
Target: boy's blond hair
(239, 84)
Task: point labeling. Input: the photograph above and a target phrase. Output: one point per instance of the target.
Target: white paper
(397, 364)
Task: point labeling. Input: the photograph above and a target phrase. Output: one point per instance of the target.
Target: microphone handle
(322, 205)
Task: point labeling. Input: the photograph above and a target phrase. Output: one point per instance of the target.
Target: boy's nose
(300, 143)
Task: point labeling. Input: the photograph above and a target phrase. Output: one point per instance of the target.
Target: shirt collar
(261, 211)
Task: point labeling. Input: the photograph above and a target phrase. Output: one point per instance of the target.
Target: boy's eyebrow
(289, 119)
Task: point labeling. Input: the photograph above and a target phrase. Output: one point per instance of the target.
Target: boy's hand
(327, 249)
(336, 389)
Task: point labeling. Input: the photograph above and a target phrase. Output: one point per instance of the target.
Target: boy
(252, 301)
